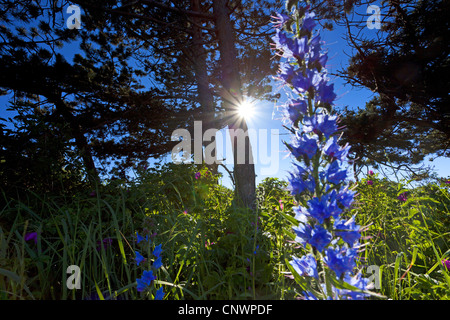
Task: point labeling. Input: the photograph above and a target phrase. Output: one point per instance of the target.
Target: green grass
(406, 240)
(212, 249)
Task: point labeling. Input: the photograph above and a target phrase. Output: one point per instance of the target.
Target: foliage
(409, 237)
(406, 65)
(211, 249)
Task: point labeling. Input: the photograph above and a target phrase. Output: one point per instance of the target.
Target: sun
(246, 109)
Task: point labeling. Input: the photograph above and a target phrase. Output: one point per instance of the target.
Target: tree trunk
(244, 173)
(205, 95)
(80, 141)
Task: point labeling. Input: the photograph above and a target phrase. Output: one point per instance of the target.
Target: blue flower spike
(321, 167)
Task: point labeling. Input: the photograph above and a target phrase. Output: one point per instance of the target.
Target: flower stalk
(321, 165)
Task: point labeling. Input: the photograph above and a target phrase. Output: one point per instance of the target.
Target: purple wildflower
(402, 197)
(31, 236)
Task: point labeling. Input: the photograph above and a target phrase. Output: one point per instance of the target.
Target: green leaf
(15, 277)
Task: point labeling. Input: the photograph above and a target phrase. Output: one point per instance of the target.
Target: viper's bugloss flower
(303, 232)
(157, 251)
(305, 266)
(287, 72)
(323, 167)
(347, 230)
(345, 197)
(323, 208)
(304, 146)
(145, 281)
(139, 258)
(308, 22)
(340, 260)
(335, 151)
(335, 172)
(357, 281)
(320, 238)
(325, 93)
(323, 123)
(158, 263)
(159, 294)
(370, 173)
(294, 109)
(140, 238)
(370, 182)
(198, 175)
(305, 82)
(446, 264)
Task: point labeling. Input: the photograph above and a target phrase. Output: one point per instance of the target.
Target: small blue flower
(320, 123)
(139, 258)
(334, 173)
(324, 207)
(280, 39)
(340, 260)
(359, 282)
(141, 285)
(346, 197)
(294, 109)
(348, 230)
(145, 281)
(148, 276)
(304, 146)
(297, 184)
(157, 251)
(303, 232)
(305, 82)
(283, 18)
(308, 21)
(300, 48)
(140, 238)
(325, 92)
(287, 72)
(333, 149)
(158, 263)
(159, 294)
(320, 238)
(305, 266)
